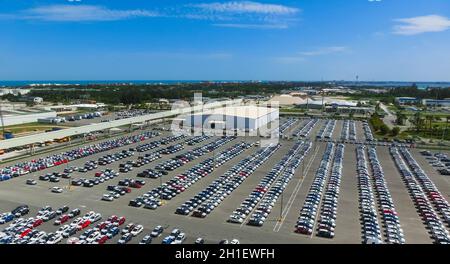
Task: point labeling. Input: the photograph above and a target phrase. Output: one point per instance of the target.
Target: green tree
(395, 131)
(384, 129)
(400, 118)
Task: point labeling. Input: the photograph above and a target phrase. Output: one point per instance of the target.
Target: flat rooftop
(240, 111)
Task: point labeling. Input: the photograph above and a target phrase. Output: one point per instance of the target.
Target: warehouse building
(244, 118)
(436, 103)
(16, 117)
(406, 100)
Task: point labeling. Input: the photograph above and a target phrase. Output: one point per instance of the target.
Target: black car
(62, 210)
(44, 178)
(134, 203)
(74, 212)
(54, 179)
(22, 209)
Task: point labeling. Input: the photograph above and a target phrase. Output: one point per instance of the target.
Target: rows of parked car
(99, 177)
(371, 232)
(131, 113)
(208, 199)
(352, 131)
(290, 122)
(193, 154)
(65, 157)
(438, 200)
(345, 130)
(249, 203)
(197, 139)
(391, 223)
(439, 161)
(102, 232)
(111, 158)
(24, 230)
(267, 202)
(424, 194)
(305, 130)
(82, 116)
(308, 213)
(326, 132)
(367, 131)
(156, 143)
(139, 162)
(181, 182)
(328, 210)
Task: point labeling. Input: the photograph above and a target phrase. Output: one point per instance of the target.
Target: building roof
(405, 98)
(248, 111)
(286, 99)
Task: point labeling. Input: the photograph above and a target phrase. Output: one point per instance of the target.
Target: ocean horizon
(22, 83)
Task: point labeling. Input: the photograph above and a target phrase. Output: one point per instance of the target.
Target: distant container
(8, 135)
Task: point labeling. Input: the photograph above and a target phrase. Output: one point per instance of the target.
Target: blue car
(113, 232)
(6, 240)
(168, 240)
(7, 218)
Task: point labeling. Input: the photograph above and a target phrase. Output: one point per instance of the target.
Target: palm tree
(446, 126)
(418, 121)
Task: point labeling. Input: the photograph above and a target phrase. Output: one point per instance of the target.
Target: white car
(62, 229)
(180, 239)
(107, 197)
(95, 217)
(57, 190)
(92, 237)
(55, 239)
(137, 230)
(234, 241)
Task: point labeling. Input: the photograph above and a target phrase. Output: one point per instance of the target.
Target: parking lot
(278, 226)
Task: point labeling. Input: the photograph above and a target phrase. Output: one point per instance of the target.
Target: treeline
(136, 94)
(414, 91)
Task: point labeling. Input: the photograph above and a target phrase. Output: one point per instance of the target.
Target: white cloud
(82, 13)
(248, 7)
(253, 26)
(324, 51)
(245, 14)
(421, 24)
(234, 14)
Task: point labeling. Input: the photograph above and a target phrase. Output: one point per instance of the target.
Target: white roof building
(248, 118)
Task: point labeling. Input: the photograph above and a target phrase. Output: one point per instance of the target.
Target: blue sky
(405, 40)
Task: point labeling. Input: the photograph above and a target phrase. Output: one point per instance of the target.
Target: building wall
(231, 121)
(23, 119)
(439, 103)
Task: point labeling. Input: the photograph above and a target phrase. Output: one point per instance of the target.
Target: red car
(64, 218)
(101, 225)
(121, 220)
(113, 218)
(102, 240)
(98, 174)
(126, 189)
(303, 230)
(26, 232)
(84, 224)
(135, 185)
(37, 222)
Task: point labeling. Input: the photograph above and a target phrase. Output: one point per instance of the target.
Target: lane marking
(294, 194)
